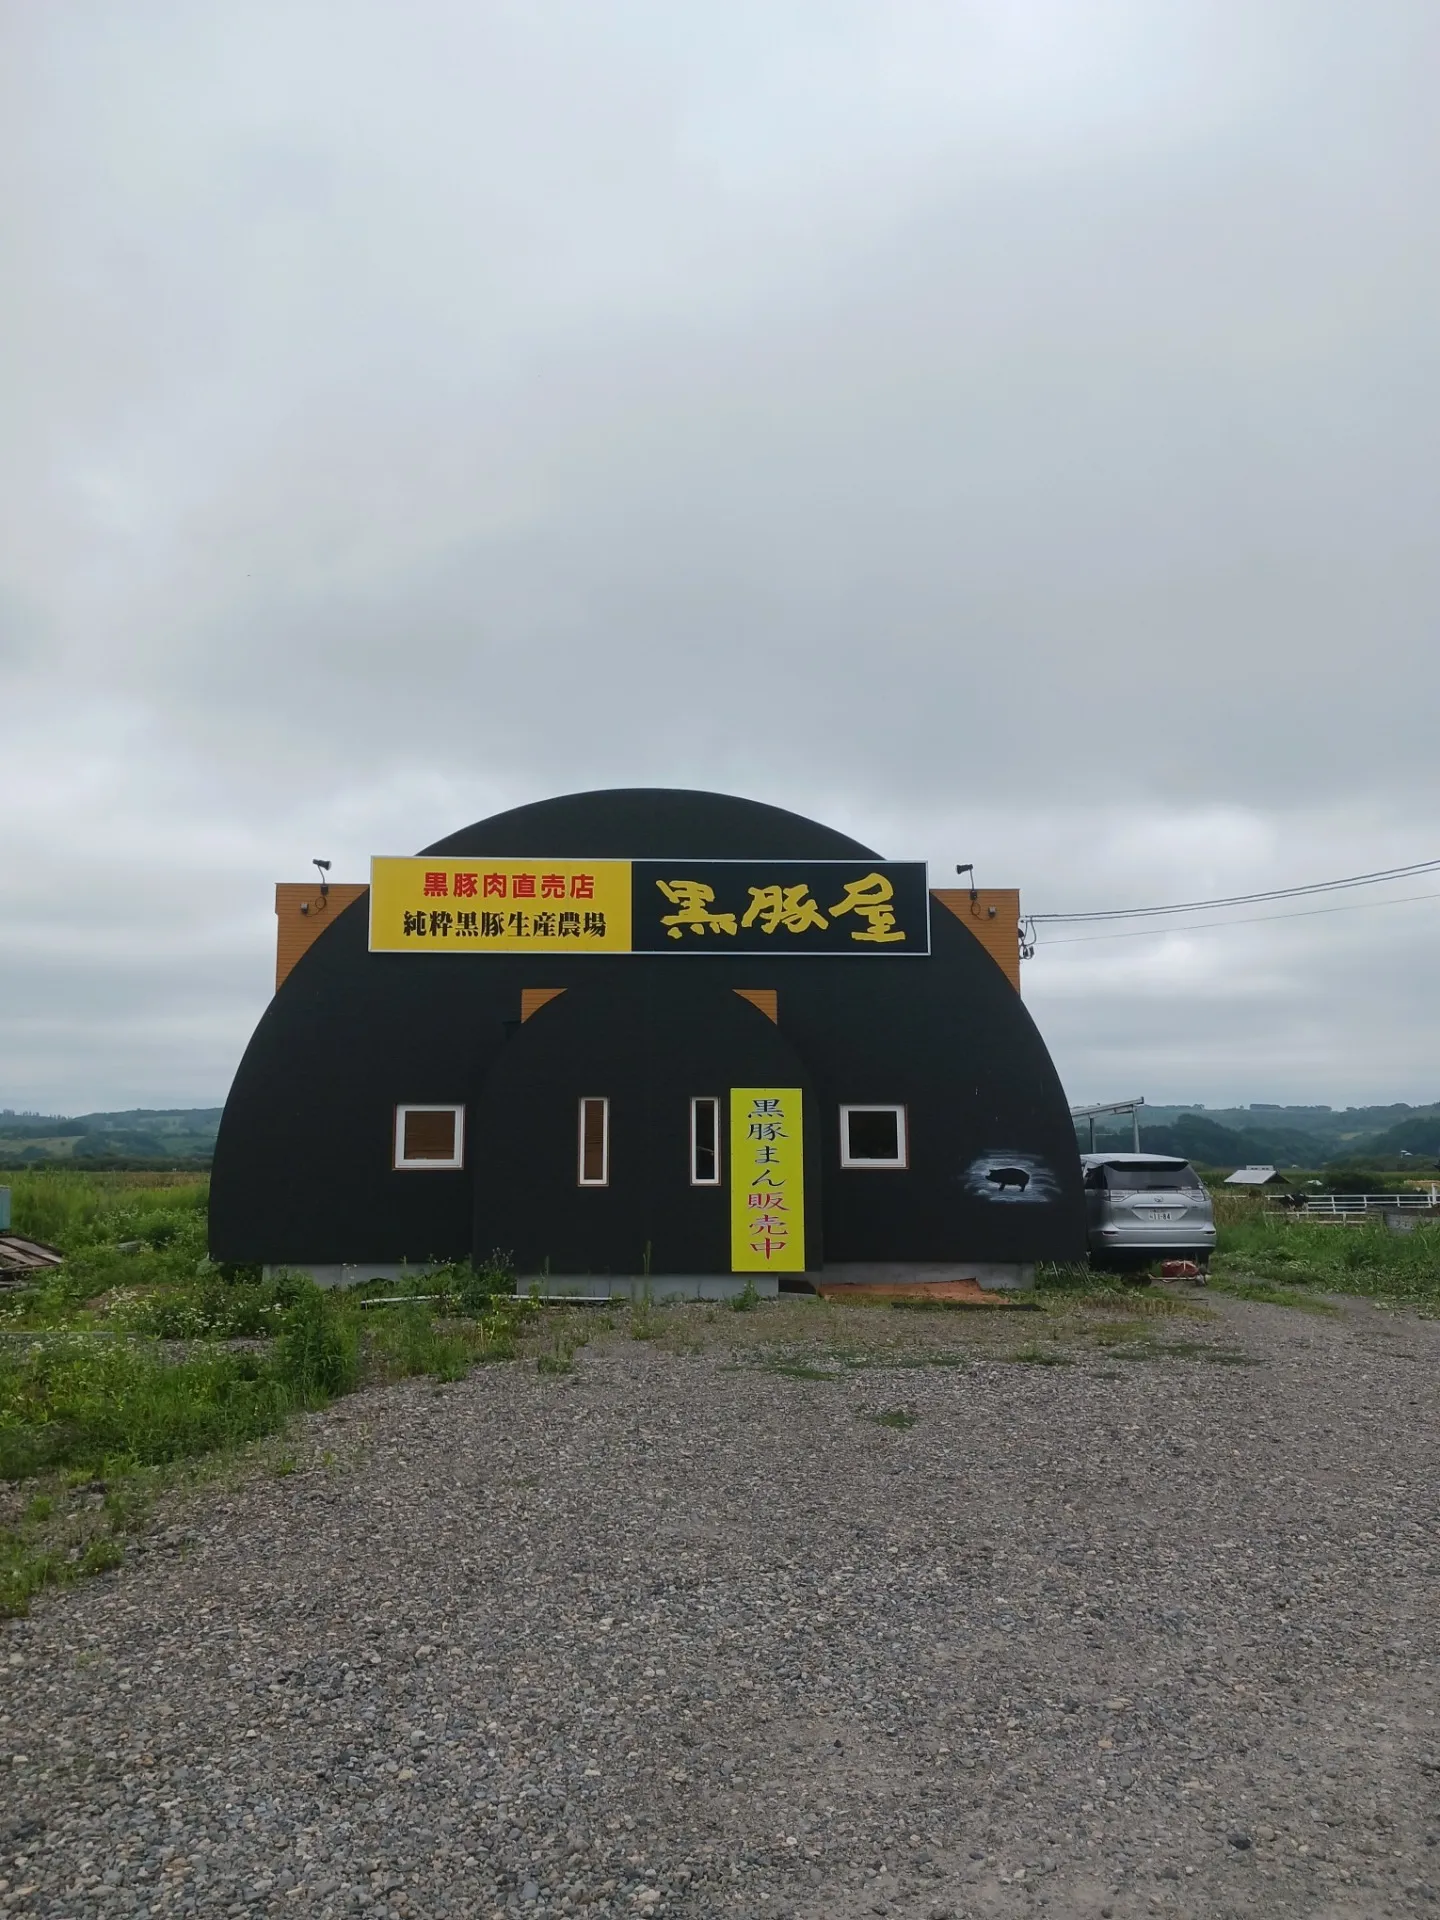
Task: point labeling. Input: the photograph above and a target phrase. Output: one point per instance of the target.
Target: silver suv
(1143, 1207)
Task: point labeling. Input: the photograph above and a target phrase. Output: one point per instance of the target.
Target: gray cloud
(1007, 432)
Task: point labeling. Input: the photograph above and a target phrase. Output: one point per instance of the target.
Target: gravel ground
(683, 1632)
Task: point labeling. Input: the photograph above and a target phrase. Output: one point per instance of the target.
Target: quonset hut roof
(304, 1172)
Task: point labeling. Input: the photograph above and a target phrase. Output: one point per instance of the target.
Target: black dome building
(837, 1082)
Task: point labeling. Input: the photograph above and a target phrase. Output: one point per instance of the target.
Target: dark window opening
(705, 1142)
(1154, 1176)
(873, 1137)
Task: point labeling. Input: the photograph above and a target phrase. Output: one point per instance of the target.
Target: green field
(139, 1355)
(1331, 1258)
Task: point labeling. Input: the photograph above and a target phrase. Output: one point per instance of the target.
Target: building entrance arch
(566, 1186)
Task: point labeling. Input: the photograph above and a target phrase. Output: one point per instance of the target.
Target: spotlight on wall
(969, 868)
(324, 866)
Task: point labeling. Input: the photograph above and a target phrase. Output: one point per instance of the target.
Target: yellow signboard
(435, 905)
(767, 1180)
(431, 904)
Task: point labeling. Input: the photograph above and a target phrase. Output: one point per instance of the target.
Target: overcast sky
(1005, 429)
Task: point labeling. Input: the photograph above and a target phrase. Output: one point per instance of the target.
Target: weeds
(558, 1354)
(894, 1357)
(898, 1417)
(69, 1401)
(832, 1363)
(644, 1321)
(24, 1570)
(470, 1290)
(75, 1531)
(91, 1395)
(317, 1352)
(99, 1556)
(1368, 1259)
(210, 1308)
(747, 1300)
(1054, 1276)
(71, 1210)
(1149, 1349)
(1266, 1293)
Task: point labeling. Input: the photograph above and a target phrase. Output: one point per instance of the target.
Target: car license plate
(1167, 1214)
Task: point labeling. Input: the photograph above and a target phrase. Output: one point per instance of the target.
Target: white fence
(1359, 1206)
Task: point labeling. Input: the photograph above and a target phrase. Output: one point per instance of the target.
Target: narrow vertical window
(594, 1143)
(705, 1142)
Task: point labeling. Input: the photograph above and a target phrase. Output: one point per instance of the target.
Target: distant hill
(142, 1133)
(1310, 1136)
(1285, 1136)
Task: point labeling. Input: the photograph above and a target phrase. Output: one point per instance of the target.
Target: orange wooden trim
(994, 919)
(533, 998)
(304, 913)
(765, 998)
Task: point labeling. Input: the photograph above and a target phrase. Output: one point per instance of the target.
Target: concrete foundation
(655, 1286)
(351, 1273)
(992, 1276)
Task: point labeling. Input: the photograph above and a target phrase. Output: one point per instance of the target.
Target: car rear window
(1151, 1177)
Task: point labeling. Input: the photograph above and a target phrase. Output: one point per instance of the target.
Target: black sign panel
(780, 906)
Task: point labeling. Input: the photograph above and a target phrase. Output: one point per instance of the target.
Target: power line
(1243, 899)
(1251, 920)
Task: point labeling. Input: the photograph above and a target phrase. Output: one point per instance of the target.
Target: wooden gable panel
(303, 914)
(994, 919)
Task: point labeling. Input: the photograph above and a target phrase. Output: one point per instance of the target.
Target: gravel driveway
(945, 1631)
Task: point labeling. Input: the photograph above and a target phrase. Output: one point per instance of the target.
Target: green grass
(72, 1210)
(645, 1321)
(1054, 1281)
(70, 1400)
(1065, 1289)
(1267, 1293)
(1150, 1349)
(831, 1362)
(1270, 1258)
(1369, 1259)
(564, 1335)
(898, 1357)
(898, 1417)
(121, 1365)
(1034, 1355)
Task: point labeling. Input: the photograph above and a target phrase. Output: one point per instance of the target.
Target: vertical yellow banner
(767, 1180)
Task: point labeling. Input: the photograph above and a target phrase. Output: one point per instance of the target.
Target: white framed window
(705, 1141)
(874, 1137)
(594, 1165)
(429, 1139)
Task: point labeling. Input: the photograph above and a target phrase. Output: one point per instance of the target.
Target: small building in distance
(1256, 1177)
(649, 1038)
